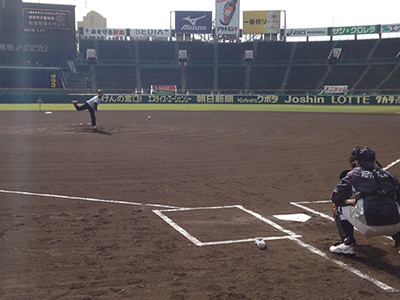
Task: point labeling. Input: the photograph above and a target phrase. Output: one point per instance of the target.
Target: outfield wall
(64, 96)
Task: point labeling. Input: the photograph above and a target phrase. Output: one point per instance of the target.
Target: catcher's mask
(365, 157)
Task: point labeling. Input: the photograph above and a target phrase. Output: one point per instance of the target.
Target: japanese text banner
(261, 22)
(227, 17)
(369, 29)
(103, 32)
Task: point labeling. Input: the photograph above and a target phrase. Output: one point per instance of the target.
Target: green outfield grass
(393, 109)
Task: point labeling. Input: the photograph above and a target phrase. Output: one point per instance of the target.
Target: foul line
(85, 199)
(391, 164)
(378, 283)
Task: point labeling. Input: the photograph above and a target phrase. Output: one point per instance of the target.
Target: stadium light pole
(170, 19)
(284, 25)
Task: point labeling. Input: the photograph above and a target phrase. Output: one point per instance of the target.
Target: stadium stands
(160, 76)
(198, 52)
(231, 77)
(344, 74)
(227, 53)
(281, 67)
(305, 78)
(157, 51)
(313, 51)
(115, 77)
(199, 78)
(391, 82)
(267, 78)
(108, 49)
(273, 52)
(374, 77)
(276, 67)
(387, 49)
(33, 54)
(357, 49)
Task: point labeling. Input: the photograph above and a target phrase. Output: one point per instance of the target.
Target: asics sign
(306, 32)
(193, 22)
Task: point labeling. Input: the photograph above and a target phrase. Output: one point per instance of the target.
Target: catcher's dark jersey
(379, 192)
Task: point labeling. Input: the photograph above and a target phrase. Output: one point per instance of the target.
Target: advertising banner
(103, 32)
(61, 96)
(354, 30)
(193, 22)
(227, 17)
(163, 89)
(147, 33)
(390, 28)
(26, 48)
(266, 99)
(297, 32)
(336, 89)
(262, 22)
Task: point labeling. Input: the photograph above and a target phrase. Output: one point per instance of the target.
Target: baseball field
(168, 207)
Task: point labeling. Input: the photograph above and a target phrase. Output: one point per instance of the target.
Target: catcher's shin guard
(346, 230)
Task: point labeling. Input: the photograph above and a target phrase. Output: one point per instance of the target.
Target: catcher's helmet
(364, 155)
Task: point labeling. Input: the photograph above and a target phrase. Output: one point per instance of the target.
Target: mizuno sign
(193, 22)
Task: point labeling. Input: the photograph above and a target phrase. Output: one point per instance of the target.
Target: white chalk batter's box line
(290, 236)
(197, 242)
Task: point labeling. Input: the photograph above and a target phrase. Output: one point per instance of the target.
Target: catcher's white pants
(349, 213)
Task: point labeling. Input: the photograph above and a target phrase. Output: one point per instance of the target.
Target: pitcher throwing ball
(90, 105)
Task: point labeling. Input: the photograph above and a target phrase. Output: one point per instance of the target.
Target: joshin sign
(227, 16)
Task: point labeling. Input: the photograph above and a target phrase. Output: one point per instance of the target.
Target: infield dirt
(75, 247)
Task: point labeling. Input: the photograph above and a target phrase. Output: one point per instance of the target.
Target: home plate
(294, 217)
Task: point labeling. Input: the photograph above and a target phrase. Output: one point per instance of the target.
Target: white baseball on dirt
(261, 243)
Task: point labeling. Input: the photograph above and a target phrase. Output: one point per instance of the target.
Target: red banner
(163, 89)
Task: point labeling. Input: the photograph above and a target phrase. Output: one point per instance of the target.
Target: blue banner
(193, 22)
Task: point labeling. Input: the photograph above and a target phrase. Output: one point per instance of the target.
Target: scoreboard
(41, 20)
(34, 34)
(17, 17)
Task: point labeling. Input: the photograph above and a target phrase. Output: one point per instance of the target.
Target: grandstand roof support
(386, 78)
